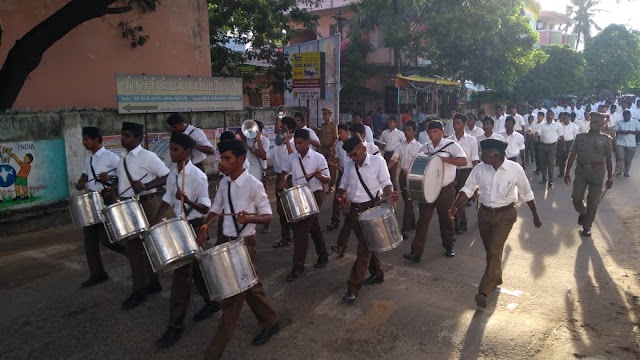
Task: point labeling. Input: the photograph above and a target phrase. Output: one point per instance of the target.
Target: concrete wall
(78, 70)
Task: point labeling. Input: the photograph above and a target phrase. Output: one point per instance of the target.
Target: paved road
(563, 297)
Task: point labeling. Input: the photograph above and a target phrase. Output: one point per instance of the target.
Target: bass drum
(424, 181)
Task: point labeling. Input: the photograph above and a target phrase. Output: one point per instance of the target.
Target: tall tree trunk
(26, 54)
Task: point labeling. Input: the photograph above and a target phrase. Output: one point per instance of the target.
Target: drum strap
(93, 172)
(444, 147)
(235, 222)
(126, 170)
(366, 188)
(303, 170)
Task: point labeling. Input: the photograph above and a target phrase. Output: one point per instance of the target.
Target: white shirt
(448, 128)
(614, 118)
(515, 143)
(405, 153)
(499, 124)
(579, 114)
(475, 132)
(342, 155)
(392, 139)
(143, 166)
(423, 138)
(470, 146)
(583, 126)
(536, 111)
(371, 148)
(570, 131)
(313, 161)
(375, 175)
(556, 111)
(265, 145)
(368, 134)
(312, 134)
(454, 150)
(196, 188)
(103, 161)
(635, 113)
(549, 133)
(499, 188)
(494, 135)
(200, 138)
(520, 123)
(247, 194)
(280, 156)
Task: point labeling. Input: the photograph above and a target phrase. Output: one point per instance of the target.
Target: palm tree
(532, 6)
(582, 13)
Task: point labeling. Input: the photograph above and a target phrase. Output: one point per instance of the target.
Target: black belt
(498, 209)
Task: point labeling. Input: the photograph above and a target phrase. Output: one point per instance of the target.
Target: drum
(227, 270)
(298, 203)
(424, 181)
(171, 244)
(125, 219)
(380, 228)
(86, 209)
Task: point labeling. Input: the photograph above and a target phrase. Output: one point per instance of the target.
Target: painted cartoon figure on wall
(23, 175)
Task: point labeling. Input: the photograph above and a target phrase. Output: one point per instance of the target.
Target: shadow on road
(475, 332)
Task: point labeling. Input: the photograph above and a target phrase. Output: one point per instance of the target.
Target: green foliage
(354, 70)
(562, 71)
(613, 58)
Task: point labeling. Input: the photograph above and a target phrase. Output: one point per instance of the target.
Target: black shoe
(95, 280)
(295, 275)
(373, 279)
(405, 234)
(463, 225)
(581, 218)
(333, 226)
(585, 231)
(266, 229)
(627, 175)
(153, 288)
(133, 301)
(350, 297)
(265, 335)
(550, 184)
(322, 263)
(560, 175)
(412, 256)
(458, 230)
(170, 337)
(481, 300)
(207, 310)
(450, 252)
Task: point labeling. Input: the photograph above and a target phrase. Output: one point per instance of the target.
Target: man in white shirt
(365, 180)
(360, 131)
(307, 167)
(514, 140)
(203, 146)
(549, 133)
(487, 126)
(635, 112)
(98, 165)
(448, 130)
(140, 173)
(404, 155)
(357, 119)
(452, 156)
(392, 137)
(258, 149)
(540, 109)
(339, 164)
(540, 118)
(614, 117)
(583, 124)
(557, 109)
(520, 122)
(626, 132)
(500, 117)
(570, 130)
(471, 128)
(579, 110)
(280, 157)
(242, 194)
(188, 195)
(470, 146)
(500, 185)
(314, 140)
(529, 150)
(423, 138)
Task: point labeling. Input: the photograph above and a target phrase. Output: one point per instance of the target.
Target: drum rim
(240, 290)
(120, 202)
(166, 221)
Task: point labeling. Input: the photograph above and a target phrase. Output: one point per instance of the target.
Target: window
(539, 25)
(333, 29)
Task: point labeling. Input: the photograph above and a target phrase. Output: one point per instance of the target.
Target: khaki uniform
(591, 149)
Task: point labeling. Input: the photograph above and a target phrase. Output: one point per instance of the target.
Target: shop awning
(402, 80)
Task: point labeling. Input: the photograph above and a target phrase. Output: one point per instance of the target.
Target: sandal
(338, 250)
(282, 243)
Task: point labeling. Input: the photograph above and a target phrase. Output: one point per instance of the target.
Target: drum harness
(235, 222)
(104, 184)
(366, 188)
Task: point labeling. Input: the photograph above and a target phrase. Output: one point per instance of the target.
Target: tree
(563, 72)
(354, 69)
(27, 53)
(582, 13)
(613, 58)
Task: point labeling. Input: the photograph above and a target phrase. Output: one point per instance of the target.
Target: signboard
(139, 93)
(308, 74)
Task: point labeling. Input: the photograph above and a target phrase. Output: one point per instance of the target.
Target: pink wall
(78, 71)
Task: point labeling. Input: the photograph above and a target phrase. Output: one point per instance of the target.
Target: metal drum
(298, 203)
(171, 244)
(227, 270)
(424, 181)
(125, 219)
(380, 228)
(86, 209)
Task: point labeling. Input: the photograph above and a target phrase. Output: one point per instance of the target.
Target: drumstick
(237, 214)
(127, 189)
(114, 169)
(309, 175)
(385, 198)
(182, 191)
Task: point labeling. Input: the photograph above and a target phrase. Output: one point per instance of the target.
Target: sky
(613, 13)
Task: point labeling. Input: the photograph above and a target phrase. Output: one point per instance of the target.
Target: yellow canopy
(402, 80)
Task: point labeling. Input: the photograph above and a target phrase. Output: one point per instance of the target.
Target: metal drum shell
(227, 269)
(298, 203)
(86, 209)
(125, 219)
(171, 244)
(424, 180)
(380, 228)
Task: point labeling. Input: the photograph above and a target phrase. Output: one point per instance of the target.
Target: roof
(553, 17)
(402, 80)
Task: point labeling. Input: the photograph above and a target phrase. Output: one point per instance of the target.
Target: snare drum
(86, 209)
(298, 203)
(380, 228)
(424, 180)
(125, 219)
(227, 270)
(170, 244)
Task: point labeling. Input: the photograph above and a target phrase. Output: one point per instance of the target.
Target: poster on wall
(32, 173)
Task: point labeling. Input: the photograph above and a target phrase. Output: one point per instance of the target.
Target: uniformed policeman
(592, 152)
